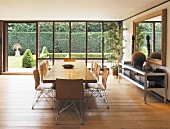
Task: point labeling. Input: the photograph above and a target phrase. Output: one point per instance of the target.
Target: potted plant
(114, 44)
(115, 69)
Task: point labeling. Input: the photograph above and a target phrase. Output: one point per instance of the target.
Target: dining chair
(69, 60)
(43, 70)
(91, 69)
(94, 69)
(98, 89)
(97, 72)
(47, 65)
(43, 92)
(43, 73)
(69, 92)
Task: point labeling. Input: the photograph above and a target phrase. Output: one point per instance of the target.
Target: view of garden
(22, 37)
(144, 29)
(63, 40)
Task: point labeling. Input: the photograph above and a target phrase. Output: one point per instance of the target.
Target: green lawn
(15, 61)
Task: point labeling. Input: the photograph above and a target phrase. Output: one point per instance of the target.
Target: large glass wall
(56, 40)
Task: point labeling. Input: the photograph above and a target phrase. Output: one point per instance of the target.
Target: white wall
(129, 24)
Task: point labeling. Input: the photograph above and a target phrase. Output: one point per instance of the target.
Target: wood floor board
(127, 108)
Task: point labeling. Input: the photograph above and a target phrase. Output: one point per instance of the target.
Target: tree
(22, 27)
(114, 43)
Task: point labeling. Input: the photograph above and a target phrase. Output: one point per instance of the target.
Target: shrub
(44, 52)
(28, 60)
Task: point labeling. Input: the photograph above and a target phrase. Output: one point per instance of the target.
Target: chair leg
(57, 118)
(37, 98)
(69, 105)
(100, 94)
(34, 101)
(42, 94)
(54, 95)
(81, 111)
(46, 95)
(93, 94)
(89, 98)
(105, 98)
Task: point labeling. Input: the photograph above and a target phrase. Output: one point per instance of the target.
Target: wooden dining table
(79, 71)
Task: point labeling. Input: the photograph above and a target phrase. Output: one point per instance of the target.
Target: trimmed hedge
(26, 40)
(78, 42)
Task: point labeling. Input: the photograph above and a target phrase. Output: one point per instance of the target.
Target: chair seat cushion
(95, 85)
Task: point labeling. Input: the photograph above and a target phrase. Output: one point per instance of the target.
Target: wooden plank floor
(127, 109)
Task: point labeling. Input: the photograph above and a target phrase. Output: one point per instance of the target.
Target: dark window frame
(5, 56)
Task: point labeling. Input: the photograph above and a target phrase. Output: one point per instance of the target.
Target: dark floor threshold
(17, 73)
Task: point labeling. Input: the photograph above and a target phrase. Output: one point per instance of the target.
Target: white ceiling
(73, 9)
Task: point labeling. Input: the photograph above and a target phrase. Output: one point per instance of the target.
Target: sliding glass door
(21, 46)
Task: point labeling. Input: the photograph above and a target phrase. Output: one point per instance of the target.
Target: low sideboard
(141, 78)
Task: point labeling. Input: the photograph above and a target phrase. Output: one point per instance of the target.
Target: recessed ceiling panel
(73, 9)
